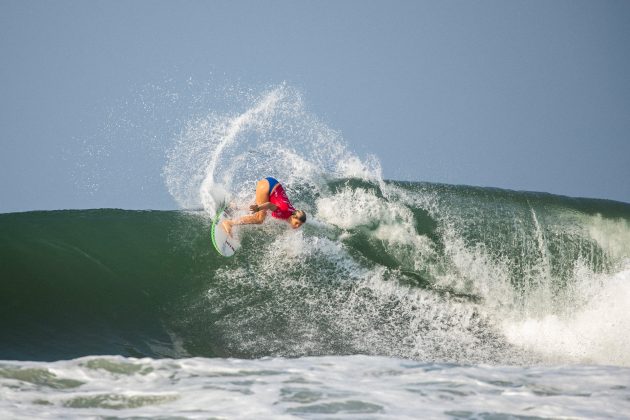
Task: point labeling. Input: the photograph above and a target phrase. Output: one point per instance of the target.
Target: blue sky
(527, 95)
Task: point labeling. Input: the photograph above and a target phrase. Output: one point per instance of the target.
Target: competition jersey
(284, 208)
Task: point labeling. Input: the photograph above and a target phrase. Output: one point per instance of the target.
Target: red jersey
(284, 208)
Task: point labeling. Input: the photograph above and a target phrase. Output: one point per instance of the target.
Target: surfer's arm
(265, 206)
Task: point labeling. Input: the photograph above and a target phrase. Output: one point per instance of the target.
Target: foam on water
(596, 332)
(587, 321)
(340, 386)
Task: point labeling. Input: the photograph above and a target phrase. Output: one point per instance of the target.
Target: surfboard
(223, 243)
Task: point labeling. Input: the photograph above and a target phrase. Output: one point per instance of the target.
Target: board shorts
(278, 197)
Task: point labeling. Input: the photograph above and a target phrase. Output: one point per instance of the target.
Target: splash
(224, 155)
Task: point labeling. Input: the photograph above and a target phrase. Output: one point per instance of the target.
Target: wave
(401, 269)
(423, 271)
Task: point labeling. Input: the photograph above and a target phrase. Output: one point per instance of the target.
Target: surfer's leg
(254, 219)
(262, 196)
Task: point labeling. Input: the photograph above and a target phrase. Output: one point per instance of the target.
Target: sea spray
(275, 136)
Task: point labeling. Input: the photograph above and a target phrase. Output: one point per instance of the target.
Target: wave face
(414, 270)
(430, 272)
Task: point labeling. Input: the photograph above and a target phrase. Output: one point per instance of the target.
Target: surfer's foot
(227, 226)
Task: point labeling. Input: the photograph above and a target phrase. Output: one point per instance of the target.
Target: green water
(149, 283)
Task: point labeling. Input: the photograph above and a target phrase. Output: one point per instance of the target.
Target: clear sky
(527, 95)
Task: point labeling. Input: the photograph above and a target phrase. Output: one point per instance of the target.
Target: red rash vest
(284, 208)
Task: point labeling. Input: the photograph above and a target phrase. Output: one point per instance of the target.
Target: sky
(525, 95)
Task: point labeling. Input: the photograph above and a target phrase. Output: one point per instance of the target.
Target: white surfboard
(224, 244)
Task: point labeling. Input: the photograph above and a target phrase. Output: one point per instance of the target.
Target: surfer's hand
(254, 208)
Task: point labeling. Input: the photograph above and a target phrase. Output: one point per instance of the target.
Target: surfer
(270, 195)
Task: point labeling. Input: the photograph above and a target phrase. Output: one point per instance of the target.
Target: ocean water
(366, 387)
(395, 300)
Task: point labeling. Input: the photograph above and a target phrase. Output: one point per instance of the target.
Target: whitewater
(395, 300)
